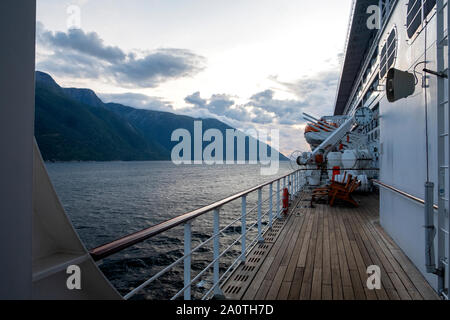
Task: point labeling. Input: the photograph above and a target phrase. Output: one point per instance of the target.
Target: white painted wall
(403, 145)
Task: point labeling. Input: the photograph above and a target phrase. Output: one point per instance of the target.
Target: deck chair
(344, 193)
(320, 193)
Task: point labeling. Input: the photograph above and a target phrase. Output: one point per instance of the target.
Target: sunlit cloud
(76, 53)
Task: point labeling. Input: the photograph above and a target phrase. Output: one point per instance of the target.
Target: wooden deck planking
(322, 253)
(367, 255)
(392, 268)
(306, 286)
(336, 279)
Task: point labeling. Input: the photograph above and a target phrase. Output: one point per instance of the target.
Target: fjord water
(108, 200)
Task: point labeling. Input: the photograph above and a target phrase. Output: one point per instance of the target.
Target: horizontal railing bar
(208, 267)
(222, 254)
(402, 193)
(173, 264)
(263, 202)
(118, 245)
(324, 169)
(220, 280)
(160, 273)
(228, 226)
(250, 248)
(253, 243)
(239, 218)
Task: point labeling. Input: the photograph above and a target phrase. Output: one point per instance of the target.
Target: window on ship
(418, 11)
(388, 53)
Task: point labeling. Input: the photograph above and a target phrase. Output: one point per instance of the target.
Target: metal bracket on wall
(438, 74)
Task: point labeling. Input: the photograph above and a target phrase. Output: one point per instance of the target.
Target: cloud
(219, 105)
(78, 41)
(157, 67)
(313, 94)
(137, 100)
(285, 111)
(318, 90)
(196, 100)
(76, 53)
(69, 64)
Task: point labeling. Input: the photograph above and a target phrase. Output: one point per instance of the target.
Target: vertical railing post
(187, 260)
(216, 252)
(278, 199)
(270, 205)
(295, 183)
(244, 227)
(290, 186)
(287, 185)
(293, 186)
(260, 238)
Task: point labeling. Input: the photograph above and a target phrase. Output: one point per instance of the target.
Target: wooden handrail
(115, 246)
(402, 193)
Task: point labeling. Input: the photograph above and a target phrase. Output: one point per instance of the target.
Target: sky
(253, 64)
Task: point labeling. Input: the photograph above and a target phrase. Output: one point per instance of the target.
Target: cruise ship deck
(322, 253)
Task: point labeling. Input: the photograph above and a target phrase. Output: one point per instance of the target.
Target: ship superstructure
(396, 77)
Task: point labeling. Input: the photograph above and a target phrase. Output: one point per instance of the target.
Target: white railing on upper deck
(292, 181)
(386, 9)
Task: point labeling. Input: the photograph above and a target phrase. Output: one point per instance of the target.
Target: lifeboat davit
(314, 136)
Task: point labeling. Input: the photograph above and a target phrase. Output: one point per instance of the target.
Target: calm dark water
(111, 199)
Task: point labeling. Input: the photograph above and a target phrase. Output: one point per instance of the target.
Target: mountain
(74, 124)
(158, 126)
(67, 129)
(85, 96)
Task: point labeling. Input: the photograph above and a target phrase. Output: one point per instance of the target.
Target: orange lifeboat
(314, 136)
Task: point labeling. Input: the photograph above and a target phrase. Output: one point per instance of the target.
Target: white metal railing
(292, 181)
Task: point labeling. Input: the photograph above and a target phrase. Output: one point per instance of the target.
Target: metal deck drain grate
(241, 277)
(232, 290)
(236, 286)
(248, 268)
(238, 283)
